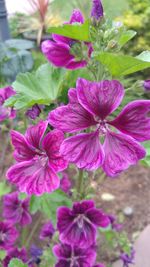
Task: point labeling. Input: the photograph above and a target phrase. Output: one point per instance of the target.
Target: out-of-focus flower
(16, 210)
(38, 159)
(89, 106)
(59, 50)
(5, 112)
(8, 235)
(15, 253)
(69, 256)
(65, 183)
(115, 226)
(36, 254)
(47, 231)
(34, 111)
(99, 265)
(128, 259)
(78, 226)
(97, 10)
(146, 85)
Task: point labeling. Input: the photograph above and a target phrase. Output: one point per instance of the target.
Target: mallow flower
(47, 231)
(146, 85)
(34, 112)
(78, 226)
(8, 235)
(65, 183)
(70, 256)
(90, 105)
(15, 253)
(38, 159)
(16, 210)
(59, 50)
(128, 259)
(5, 112)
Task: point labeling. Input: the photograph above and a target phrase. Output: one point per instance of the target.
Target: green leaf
(4, 189)
(48, 203)
(120, 65)
(17, 263)
(2, 254)
(41, 87)
(146, 160)
(125, 37)
(74, 31)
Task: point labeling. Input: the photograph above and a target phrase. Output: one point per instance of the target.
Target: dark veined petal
(34, 134)
(84, 150)
(72, 117)
(98, 217)
(23, 150)
(82, 207)
(33, 178)
(51, 144)
(121, 151)
(134, 120)
(100, 98)
(64, 218)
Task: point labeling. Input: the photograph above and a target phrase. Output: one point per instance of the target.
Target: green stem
(33, 232)
(80, 183)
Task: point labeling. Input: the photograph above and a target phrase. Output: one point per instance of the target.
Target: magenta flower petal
(69, 256)
(65, 183)
(100, 98)
(97, 9)
(33, 178)
(81, 207)
(76, 17)
(84, 150)
(98, 218)
(47, 231)
(99, 265)
(51, 144)
(65, 218)
(134, 120)
(57, 53)
(15, 253)
(16, 210)
(8, 235)
(23, 150)
(5, 112)
(73, 64)
(34, 134)
(72, 117)
(121, 151)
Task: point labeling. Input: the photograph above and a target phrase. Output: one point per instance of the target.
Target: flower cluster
(77, 232)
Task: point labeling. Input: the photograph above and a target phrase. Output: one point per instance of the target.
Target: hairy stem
(80, 183)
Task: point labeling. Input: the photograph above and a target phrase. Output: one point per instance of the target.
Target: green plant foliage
(137, 18)
(17, 263)
(40, 87)
(146, 160)
(47, 258)
(48, 203)
(121, 65)
(126, 37)
(4, 188)
(74, 31)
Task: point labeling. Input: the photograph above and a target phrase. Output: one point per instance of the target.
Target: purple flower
(146, 85)
(65, 183)
(115, 226)
(36, 254)
(47, 231)
(58, 51)
(89, 105)
(69, 256)
(8, 235)
(16, 210)
(34, 111)
(15, 253)
(78, 226)
(127, 259)
(38, 159)
(97, 9)
(5, 112)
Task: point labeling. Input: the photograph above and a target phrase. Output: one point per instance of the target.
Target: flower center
(102, 127)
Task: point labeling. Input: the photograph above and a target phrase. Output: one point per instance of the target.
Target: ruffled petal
(51, 144)
(82, 207)
(72, 117)
(97, 217)
(62, 251)
(26, 218)
(134, 120)
(84, 150)
(73, 64)
(57, 53)
(33, 178)
(121, 151)
(100, 98)
(34, 134)
(64, 217)
(79, 234)
(23, 150)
